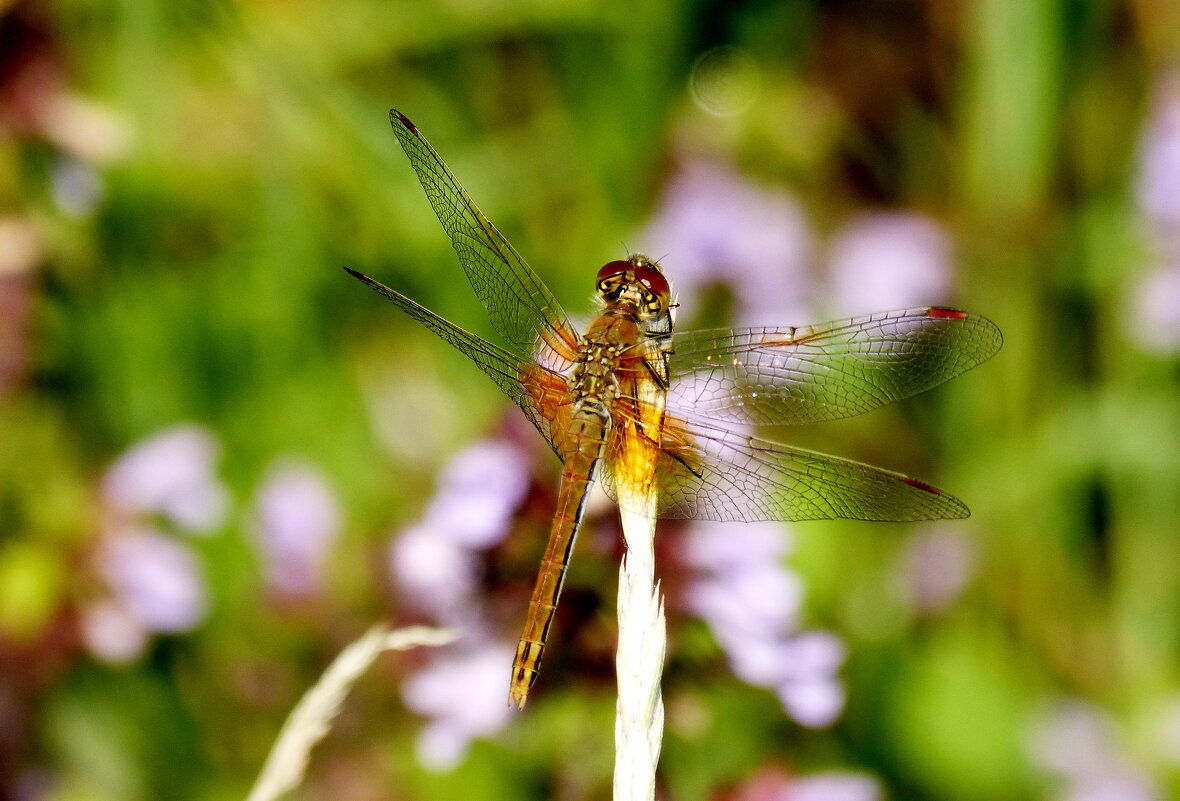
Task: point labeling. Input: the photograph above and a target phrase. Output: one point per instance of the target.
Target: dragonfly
(702, 407)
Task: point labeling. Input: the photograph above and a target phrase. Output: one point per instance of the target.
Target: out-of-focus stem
(311, 718)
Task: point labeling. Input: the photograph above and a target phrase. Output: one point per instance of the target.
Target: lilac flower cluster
(1155, 304)
(166, 486)
(1074, 743)
(751, 603)
(937, 564)
(889, 260)
(718, 228)
(435, 562)
(774, 784)
(171, 474)
(154, 580)
(834, 786)
(296, 521)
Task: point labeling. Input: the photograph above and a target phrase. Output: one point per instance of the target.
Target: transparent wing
(807, 374)
(540, 393)
(705, 471)
(519, 305)
(708, 472)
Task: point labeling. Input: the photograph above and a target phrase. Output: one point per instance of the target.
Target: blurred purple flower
(889, 260)
(1155, 309)
(154, 578)
(170, 473)
(296, 521)
(835, 786)
(809, 689)
(719, 228)
(478, 493)
(111, 633)
(435, 561)
(434, 574)
(1153, 312)
(773, 784)
(751, 603)
(1158, 185)
(155, 582)
(732, 546)
(463, 695)
(937, 564)
(1075, 743)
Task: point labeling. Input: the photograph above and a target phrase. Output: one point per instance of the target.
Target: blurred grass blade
(311, 718)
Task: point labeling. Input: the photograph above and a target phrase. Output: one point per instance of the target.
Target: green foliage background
(242, 156)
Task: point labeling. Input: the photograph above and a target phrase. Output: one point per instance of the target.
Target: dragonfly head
(638, 281)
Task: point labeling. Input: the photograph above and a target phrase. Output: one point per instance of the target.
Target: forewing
(539, 392)
(806, 374)
(519, 305)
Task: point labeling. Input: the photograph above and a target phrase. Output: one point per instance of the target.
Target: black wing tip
(364, 279)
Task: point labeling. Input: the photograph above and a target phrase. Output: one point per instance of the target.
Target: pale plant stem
(639, 663)
(639, 713)
(311, 718)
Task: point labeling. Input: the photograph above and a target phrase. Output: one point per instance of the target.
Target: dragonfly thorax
(593, 380)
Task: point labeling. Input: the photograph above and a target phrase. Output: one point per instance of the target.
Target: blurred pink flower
(889, 260)
(717, 227)
(296, 521)
(464, 695)
(154, 578)
(170, 473)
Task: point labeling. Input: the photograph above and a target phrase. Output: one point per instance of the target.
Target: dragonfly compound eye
(656, 285)
(612, 269)
(611, 278)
